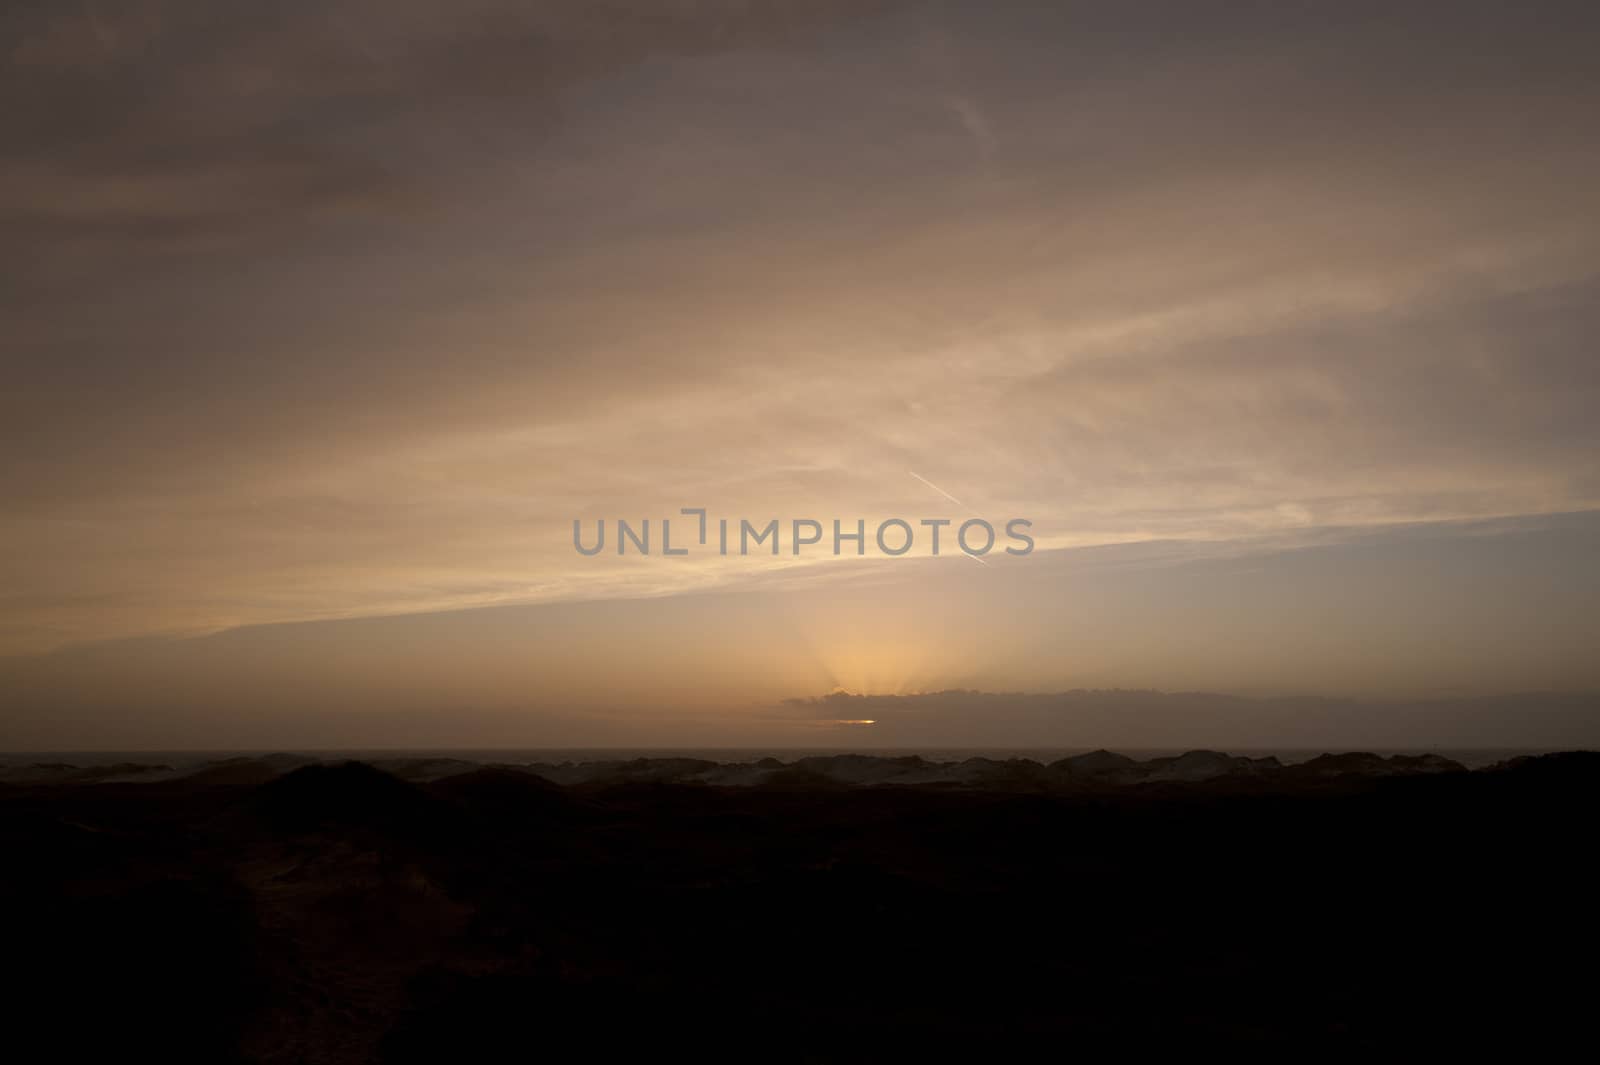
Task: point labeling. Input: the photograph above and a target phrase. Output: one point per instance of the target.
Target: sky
(323, 323)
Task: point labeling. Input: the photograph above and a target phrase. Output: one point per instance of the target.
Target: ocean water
(1472, 758)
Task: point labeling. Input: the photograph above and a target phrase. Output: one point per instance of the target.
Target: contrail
(952, 499)
(936, 488)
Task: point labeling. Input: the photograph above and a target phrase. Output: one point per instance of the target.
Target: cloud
(177, 125)
(319, 310)
(1153, 719)
(975, 123)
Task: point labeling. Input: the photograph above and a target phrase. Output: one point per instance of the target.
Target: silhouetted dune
(1096, 769)
(424, 770)
(238, 772)
(1364, 764)
(833, 909)
(797, 778)
(496, 784)
(1573, 765)
(510, 792)
(348, 794)
(46, 773)
(1095, 763)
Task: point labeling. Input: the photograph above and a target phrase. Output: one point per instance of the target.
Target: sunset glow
(332, 331)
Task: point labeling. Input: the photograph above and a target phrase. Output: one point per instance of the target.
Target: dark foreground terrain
(837, 909)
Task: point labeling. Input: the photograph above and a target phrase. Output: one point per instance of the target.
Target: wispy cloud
(351, 310)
